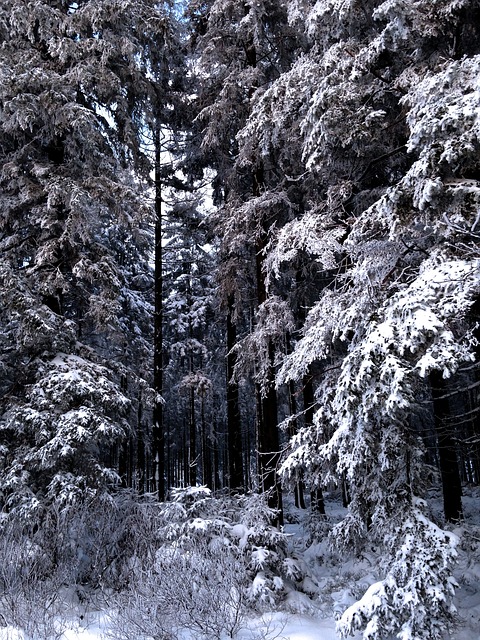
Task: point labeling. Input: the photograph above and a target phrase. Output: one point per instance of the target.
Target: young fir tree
(76, 89)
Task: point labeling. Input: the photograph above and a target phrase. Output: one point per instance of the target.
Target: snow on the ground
(300, 627)
(92, 628)
(10, 633)
(284, 626)
(277, 627)
(82, 634)
(332, 585)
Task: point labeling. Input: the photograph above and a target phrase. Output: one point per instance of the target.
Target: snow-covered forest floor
(307, 610)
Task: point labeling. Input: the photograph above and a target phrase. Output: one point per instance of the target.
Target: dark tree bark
(267, 420)
(192, 440)
(235, 450)
(451, 483)
(298, 489)
(474, 318)
(207, 449)
(186, 455)
(269, 447)
(122, 462)
(158, 439)
(141, 453)
(317, 503)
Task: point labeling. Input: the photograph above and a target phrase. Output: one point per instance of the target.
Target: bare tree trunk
(248, 457)
(158, 439)
(192, 458)
(141, 462)
(207, 449)
(269, 449)
(317, 503)
(299, 495)
(186, 456)
(235, 451)
(267, 422)
(474, 396)
(122, 462)
(451, 483)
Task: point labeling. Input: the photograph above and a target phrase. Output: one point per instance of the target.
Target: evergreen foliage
(328, 281)
(76, 91)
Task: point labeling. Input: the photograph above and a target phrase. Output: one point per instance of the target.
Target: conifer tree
(392, 143)
(76, 93)
(244, 46)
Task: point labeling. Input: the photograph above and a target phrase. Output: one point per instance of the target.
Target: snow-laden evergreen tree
(243, 47)
(383, 107)
(77, 87)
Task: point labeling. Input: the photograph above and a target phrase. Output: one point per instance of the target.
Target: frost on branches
(416, 595)
(76, 91)
(390, 129)
(362, 432)
(71, 411)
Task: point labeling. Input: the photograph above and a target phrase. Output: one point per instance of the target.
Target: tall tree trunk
(474, 395)
(192, 458)
(317, 503)
(451, 483)
(141, 461)
(186, 455)
(216, 459)
(293, 428)
(235, 452)
(269, 449)
(158, 439)
(122, 462)
(267, 421)
(247, 465)
(207, 449)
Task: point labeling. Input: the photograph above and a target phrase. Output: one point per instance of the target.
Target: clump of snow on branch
(415, 598)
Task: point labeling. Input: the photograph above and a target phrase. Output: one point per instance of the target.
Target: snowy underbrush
(69, 555)
(208, 568)
(197, 563)
(219, 562)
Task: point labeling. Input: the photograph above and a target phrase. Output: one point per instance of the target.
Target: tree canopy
(239, 248)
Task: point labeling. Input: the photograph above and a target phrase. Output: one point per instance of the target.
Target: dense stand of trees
(239, 248)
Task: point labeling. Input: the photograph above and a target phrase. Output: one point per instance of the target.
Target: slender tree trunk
(203, 444)
(125, 445)
(192, 459)
(299, 495)
(269, 448)
(474, 396)
(451, 483)
(216, 462)
(248, 457)
(169, 463)
(158, 440)
(186, 456)
(141, 462)
(317, 503)
(225, 478)
(122, 462)
(267, 422)
(131, 461)
(235, 452)
(207, 445)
